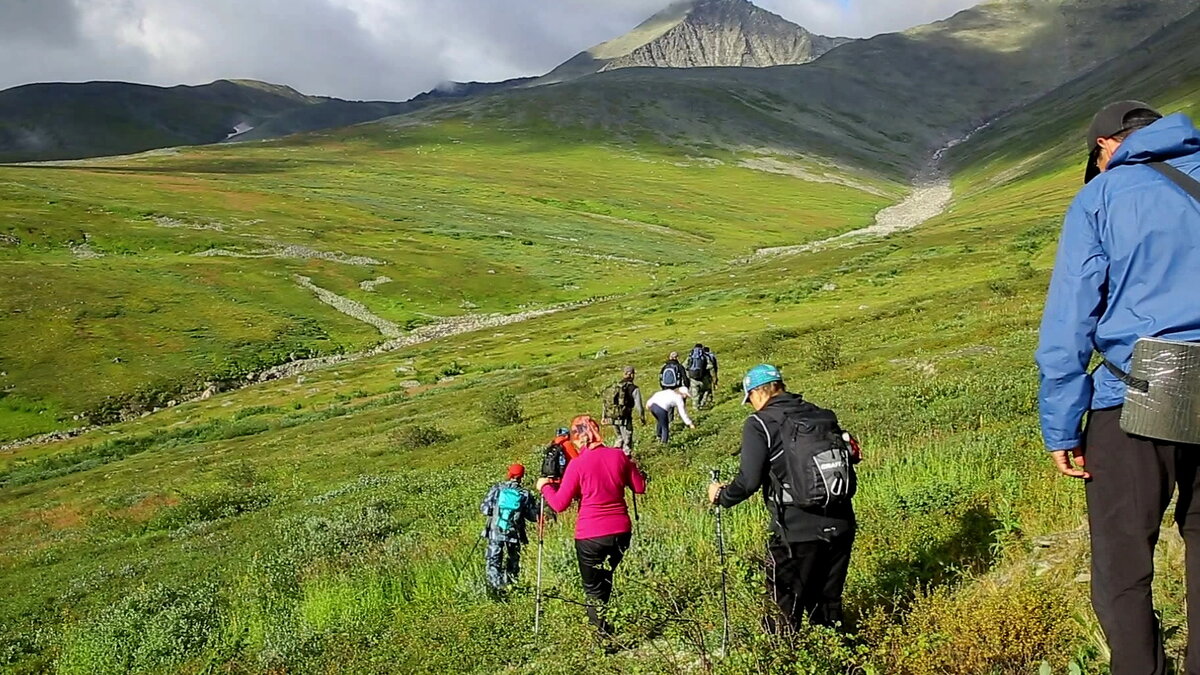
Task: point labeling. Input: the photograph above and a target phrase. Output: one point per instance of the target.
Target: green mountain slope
(156, 276)
(68, 121)
(879, 105)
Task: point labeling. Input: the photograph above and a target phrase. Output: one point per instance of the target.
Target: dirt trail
(930, 197)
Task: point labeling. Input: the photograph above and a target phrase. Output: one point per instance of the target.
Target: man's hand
(714, 492)
(543, 482)
(1063, 462)
(691, 426)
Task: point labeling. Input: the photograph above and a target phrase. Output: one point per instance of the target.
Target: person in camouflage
(620, 403)
(508, 506)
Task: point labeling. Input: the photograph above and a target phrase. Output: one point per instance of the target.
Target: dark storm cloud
(363, 49)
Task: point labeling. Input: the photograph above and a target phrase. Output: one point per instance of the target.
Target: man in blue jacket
(1127, 268)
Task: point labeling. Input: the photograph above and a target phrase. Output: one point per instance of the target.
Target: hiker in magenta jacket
(597, 478)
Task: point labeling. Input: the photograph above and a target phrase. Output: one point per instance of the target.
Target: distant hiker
(673, 375)
(620, 402)
(598, 479)
(558, 455)
(1126, 271)
(700, 372)
(507, 506)
(663, 405)
(812, 518)
(712, 363)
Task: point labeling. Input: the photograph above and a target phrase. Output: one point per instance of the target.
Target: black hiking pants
(598, 559)
(807, 580)
(1133, 480)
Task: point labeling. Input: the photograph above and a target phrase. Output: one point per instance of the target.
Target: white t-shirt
(668, 399)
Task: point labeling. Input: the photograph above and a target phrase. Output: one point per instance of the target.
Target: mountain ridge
(701, 34)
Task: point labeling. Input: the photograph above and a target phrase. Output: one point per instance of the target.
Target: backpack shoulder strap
(1185, 182)
(767, 433)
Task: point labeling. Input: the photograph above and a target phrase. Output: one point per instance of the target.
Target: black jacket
(789, 523)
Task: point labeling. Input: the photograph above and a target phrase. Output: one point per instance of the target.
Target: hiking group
(1122, 288)
(793, 452)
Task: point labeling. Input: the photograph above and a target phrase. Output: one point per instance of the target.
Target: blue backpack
(508, 511)
(670, 378)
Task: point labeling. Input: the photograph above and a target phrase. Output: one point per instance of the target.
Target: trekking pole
(716, 477)
(537, 612)
(467, 561)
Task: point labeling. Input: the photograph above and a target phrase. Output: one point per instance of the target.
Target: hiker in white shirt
(663, 406)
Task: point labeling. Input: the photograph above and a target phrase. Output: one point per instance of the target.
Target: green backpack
(508, 511)
(618, 403)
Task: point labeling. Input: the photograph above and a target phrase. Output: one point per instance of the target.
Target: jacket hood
(1172, 136)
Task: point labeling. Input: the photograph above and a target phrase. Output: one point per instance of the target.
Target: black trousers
(807, 580)
(598, 559)
(1133, 480)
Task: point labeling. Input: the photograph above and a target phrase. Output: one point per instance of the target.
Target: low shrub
(824, 354)
(420, 436)
(503, 409)
(154, 629)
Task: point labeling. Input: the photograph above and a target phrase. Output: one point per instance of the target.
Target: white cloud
(368, 49)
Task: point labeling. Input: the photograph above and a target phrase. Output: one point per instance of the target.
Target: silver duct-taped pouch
(1163, 401)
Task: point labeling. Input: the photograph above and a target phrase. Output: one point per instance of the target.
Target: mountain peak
(703, 33)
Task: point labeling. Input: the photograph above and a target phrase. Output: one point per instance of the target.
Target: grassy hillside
(108, 265)
(305, 525)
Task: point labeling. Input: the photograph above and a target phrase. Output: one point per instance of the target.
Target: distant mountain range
(701, 72)
(69, 121)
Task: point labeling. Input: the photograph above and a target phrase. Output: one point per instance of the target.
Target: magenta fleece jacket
(598, 478)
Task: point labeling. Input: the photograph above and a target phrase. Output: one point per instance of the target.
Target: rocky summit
(703, 33)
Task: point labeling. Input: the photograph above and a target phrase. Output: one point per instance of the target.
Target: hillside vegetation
(154, 277)
(325, 522)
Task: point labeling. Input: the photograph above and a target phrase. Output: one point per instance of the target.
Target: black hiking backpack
(814, 465)
(698, 364)
(554, 462)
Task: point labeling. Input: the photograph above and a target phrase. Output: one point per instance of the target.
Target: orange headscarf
(585, 433)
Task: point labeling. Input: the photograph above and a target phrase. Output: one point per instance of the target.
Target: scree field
(323, 522)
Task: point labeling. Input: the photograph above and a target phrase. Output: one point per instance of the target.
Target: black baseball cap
(1110, 121)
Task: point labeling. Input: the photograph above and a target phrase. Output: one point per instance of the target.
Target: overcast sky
(358, 49)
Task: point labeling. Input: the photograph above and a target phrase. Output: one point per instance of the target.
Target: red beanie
(516, 471)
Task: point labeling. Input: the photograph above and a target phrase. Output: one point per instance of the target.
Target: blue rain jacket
(1128, 267)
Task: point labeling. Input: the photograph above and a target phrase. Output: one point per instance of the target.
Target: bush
(824, 354)
(985, 628)
(155, 629)
(503, 409)
(420, 436)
